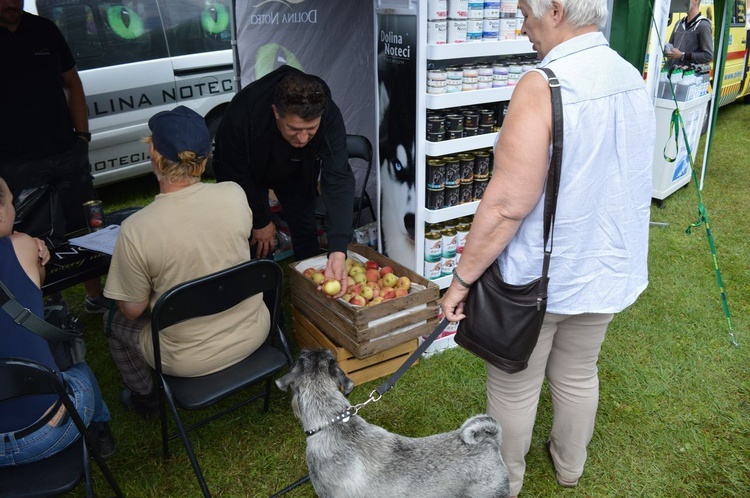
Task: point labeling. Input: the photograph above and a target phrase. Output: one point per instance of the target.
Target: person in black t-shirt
(44, 133)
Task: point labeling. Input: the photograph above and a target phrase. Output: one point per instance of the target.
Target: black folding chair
(62, 471)
(207, 296)
(357, 147)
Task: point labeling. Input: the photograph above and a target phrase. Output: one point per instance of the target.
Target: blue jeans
(49, 440)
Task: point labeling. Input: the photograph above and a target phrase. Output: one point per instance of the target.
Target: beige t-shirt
(181, 236)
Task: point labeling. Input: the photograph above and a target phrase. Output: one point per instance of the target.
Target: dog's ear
(342, 381)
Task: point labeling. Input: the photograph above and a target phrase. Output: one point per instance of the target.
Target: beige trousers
(566, 355)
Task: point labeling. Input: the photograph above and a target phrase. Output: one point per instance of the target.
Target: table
(72, 265)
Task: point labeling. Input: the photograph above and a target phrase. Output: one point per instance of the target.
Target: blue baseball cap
(179, 130)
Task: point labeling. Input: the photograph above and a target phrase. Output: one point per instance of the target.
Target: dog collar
(340, 418)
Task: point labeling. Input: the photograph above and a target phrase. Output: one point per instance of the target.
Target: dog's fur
(355, 459)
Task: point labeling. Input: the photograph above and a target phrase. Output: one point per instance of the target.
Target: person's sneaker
(99, 304)
(103, 439)
(144, 405)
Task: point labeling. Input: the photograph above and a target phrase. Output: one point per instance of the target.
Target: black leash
(384, 387)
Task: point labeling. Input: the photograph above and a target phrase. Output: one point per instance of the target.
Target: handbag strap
(553, 174)
(24, 317)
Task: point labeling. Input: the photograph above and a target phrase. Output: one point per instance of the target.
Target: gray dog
(350, 458)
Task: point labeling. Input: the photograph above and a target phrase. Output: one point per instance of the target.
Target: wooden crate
(360, 371)
(365, 331)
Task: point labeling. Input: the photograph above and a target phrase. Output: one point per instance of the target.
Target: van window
(195, 26)
(109, 33)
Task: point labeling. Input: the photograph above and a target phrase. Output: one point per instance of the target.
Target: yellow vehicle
(736, 82)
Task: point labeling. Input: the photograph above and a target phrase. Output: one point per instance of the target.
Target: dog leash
(378, 393)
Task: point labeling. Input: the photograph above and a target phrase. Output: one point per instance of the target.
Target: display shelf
(472, 97)
(450, 213)
(460, 144)
(478, 49)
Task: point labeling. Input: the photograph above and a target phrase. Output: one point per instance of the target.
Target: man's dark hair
(302, 95)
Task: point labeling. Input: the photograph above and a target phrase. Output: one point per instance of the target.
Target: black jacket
(243, 150)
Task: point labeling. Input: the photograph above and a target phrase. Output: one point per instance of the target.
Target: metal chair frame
(64, 470)
(207, 296)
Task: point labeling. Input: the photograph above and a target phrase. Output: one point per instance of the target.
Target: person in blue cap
(190, 230)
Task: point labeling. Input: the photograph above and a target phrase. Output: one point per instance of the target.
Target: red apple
(372, 265)
(308, 272)
(372, 275)
(357, 301)
(385, 270)
(387, 293)
(354, 290)
(331, 286)
(401, 292)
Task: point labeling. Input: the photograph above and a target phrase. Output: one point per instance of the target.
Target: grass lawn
(675, 393)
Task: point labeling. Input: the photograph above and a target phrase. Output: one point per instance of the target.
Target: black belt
(39, 423)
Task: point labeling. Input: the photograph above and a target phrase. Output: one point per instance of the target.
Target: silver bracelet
(460, 280)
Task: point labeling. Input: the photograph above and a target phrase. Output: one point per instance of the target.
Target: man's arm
(337, 182)
(132, 310)
(76, 99)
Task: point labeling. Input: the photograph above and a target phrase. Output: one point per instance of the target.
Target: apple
(367, 293)
(346, 297)
(358, 301)
(372, 265)
(308, 272)
(385, 270)
(403, 283)
(350, 281)
(372, 275)
(401, 292)
(356, 269)
(354, 290)
(375, 300)
(331, 286)
(349, 262)
(359, 278)
(318, 277)
(389, 280)
(387, 293)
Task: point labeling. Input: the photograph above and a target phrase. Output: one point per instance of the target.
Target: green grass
(675, 394)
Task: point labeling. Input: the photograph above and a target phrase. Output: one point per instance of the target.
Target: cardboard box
(365, 331)
(360, 371)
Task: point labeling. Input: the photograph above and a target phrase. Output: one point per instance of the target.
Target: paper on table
(102, 240)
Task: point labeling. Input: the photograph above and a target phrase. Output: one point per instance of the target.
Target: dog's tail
(480, 428)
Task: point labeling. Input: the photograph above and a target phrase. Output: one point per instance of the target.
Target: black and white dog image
(350, 458)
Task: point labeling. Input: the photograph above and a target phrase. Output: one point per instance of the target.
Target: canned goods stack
(478, 76)
(437, 26)
(443, 245)
(437, 79)
(457, 179)
(460, 122)
(448, 257)
(457, 17)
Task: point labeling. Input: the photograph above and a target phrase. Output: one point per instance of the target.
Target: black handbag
(503, 321)
(63, 331)
(39, 214)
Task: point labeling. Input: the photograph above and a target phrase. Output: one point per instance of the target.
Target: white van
(139, 57)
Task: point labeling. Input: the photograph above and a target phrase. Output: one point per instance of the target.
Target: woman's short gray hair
(578, 13)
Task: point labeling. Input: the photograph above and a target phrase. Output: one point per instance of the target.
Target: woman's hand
(43, 252)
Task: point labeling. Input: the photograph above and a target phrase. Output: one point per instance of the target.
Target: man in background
(692, 41)
(44, 131)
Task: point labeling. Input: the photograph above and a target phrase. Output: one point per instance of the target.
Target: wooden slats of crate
(360, 371)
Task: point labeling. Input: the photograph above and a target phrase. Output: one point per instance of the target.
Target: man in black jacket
(281, 132)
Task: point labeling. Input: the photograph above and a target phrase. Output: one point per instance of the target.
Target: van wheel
(213, 125)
